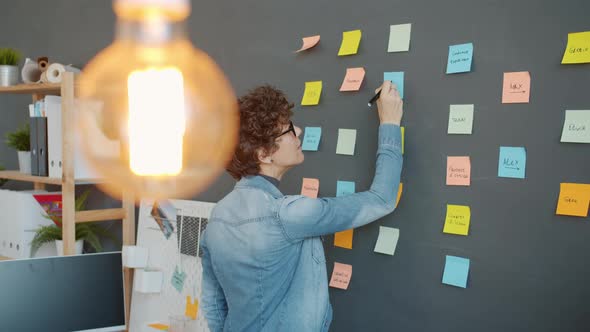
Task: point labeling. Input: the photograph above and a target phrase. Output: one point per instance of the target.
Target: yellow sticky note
(344, 239)
(403, 138)
(191, 308)
(574, 199)
(312, 93)
(399, 194)
(457, 220)
(309, 42)
(578, 48)
(350, 42)
(310, 187)
(158, 326)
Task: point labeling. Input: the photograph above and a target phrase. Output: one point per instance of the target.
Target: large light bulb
(157, 117)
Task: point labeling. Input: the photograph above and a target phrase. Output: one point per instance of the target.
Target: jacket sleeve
(303, 217)
(213, 301)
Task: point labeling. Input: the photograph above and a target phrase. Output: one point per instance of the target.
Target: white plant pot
(148, 281)
(59, 244)
(135, 257)
(8, 75)
(24, 161)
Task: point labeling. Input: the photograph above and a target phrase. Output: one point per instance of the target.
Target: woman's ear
(264, 157)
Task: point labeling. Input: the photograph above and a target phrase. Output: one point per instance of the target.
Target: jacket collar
(257, 181)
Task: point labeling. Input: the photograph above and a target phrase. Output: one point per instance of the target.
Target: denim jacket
(263, 261)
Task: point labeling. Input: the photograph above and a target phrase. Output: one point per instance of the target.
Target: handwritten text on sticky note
(311, 139)
(341, 275)
(576, 127)
(460, 119)
(353, 79)
(310, 187)
(313, 91)
(516, 87)
(512, 162)
(578, 48)
(458, 171)
(457, 220)
(460, 58)
(574, 199)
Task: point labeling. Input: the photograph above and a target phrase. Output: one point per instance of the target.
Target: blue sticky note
(311, 139)
(456, 271)
(512, 162)
(344, 188)
(460, 58)
(178, 279)
(397, 78)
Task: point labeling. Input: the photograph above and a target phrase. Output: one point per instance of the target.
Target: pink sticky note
(458, 171)
(516, 88)
(353, 79)
(309, 42)
(341, 276)
(310, 187)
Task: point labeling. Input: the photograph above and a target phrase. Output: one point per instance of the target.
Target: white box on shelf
(135, 257)
(21, 216)
(148, 281)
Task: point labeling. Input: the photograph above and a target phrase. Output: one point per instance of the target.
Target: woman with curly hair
(263, 261)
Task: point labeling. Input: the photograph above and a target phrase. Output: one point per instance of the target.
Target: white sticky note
(387, 240)
(460, 119)
(346, 141)
(576, 127)
(399, 37)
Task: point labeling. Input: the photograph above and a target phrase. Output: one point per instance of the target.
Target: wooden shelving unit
(68, 182)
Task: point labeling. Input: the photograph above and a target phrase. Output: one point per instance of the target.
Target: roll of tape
(55, 72)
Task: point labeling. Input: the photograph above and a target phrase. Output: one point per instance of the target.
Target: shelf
(18, 176)
(42, 88)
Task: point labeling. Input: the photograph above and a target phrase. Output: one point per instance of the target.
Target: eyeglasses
(291, 129)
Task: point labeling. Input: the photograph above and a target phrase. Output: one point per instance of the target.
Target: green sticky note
(460, 119)
(178, 279)
(346, 141)
(387, 240)
(399, 37)
(576, 127)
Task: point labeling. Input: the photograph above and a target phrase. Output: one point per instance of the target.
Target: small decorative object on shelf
(20, 140)
(9, 59)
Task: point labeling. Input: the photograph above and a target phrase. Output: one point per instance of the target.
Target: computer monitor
(68, 293)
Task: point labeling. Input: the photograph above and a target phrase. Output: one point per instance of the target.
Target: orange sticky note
(458, 171)
(309, 42)
(516, 88)
(191, 308)
(158, 326)
(344, 239)
(574, 199)
(353, 79)
(341, 275)
(310, 187)
(399, 194)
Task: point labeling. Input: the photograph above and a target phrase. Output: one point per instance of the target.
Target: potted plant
(9, 59)
(88, 232)
(21, 141)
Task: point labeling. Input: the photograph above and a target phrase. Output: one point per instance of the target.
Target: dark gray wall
(529, 268)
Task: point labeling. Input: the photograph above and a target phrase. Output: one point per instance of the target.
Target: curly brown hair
(262, 112)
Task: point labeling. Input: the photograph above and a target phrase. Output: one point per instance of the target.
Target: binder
(54, 136)
(42, 145)
(34, 148)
